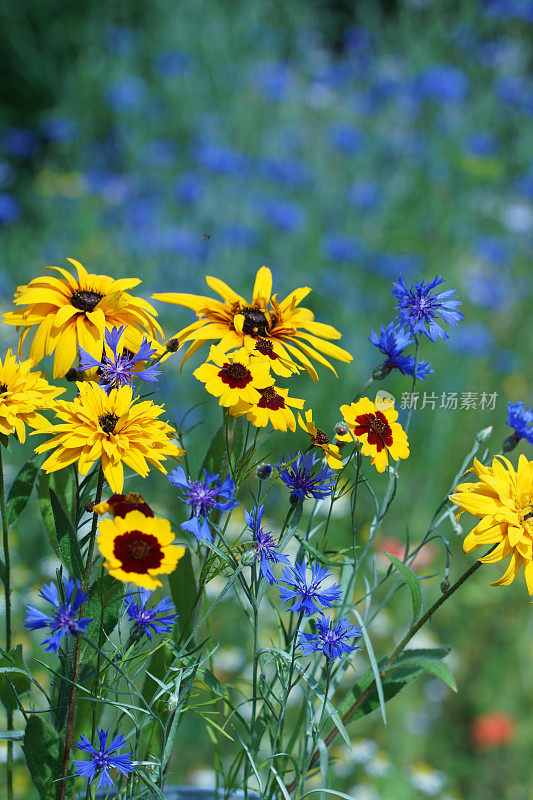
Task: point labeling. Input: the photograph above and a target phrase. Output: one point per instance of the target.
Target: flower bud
(89, 505)
(263, 472)
(382, 371)
(172, 345)
(484, 435)
(248, 558)
(341, 429)
(511, 442)
(444, 585)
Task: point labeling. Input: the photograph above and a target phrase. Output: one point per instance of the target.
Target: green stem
(7, 590)
(69, 734)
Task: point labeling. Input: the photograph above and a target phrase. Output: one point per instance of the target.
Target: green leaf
(20, 491)
(111, 592)
(20, 682)
(391, 685)
(44, 756)
(184, 592)
(62, 484)
(434, 666)
(412, 582)
(67, 540)
(216, 457)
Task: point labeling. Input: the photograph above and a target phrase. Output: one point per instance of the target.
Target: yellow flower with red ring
(376, 427)
(114, 427)
(72, 312)
(137, 548)
(234, 319)
(503, 501)
(23, 394)
(234, 377)
(320, 439)
(273, 407)
(119, 505)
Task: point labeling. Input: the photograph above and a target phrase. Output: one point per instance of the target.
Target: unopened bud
(172, 345)
(511, 442)
(382, 371)
(444, 585)
(248, 558)
(341, 429)
(484, 435)
(89, 506)
(263, 472)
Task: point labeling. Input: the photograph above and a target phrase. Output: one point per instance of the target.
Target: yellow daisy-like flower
(273, 406)
(377, 429)
(73, 311)
(503, 500)
(234, 319)
(23, 394)
(113, 428)
(235, 377)
(137, 548)
(320, 439)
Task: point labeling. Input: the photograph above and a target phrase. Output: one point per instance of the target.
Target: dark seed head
(108, 422)
(255, 322)
(89, 506)
(320, 437)
(172, 345)
(139, 549)
(263, 471)
(85, 300)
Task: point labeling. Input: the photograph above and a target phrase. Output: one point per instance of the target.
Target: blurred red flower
(493, 729)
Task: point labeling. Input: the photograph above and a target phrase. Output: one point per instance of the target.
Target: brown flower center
(3, 388)
(255, 322)
(85, 300)
(108, 422)
(266, 348)
(320, 437)
(271, 399)
(237, 376)
(376, 427)
(138, 552)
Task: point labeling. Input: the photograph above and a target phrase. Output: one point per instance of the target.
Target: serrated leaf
(67, 540)
(20, 682)
(412, 582)
(20, 491)
(44, 756)
(435, 667)
(184, 593)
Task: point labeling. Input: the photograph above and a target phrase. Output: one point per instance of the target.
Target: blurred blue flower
(264, 545)
(488, 287)
(346, 139)
(237, 236)
(506, 361)
(287, 172)
(9, 208)
(159, 152)
(202, 497)
(509, 9)
(158, 619)
(520, 419)
(184, 242)
(284, 215)
(60, 129)
(442, 83)
(493, 250)
(273, 79)
(20, 142)
(419, 306)
(7, 175)
(62, 622)
(297, 474)
(329, 639)
(307, 591)
(102, 759)
(216, 158)
(190, 188)
(126, 94)
(119, 40)
(340, 248)
(117, 370)
(481, 144)
(391, 264)
(365, 195)
(172, 63)
(472, 339)
(517, 91)
(392, 342)
(524, 184)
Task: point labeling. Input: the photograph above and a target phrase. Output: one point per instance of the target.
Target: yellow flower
(235, 377)
(319, 438)
(273, 407)
(71, 312)
(22, 392)
(113, 428)
(503, 500)
(136, 548)
(377, 429)
(234, 320)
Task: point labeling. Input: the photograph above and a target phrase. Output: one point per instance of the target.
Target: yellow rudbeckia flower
(503, 500)
(114, 428)
(234, 319)
(23, 394)
(137, 548)
(320, 439)
(273, 406)
(376, 427)
(73, 311)
(235, 377)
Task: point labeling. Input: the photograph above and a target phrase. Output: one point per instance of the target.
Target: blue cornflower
(521, 419)
(103, 759)
(297, 475)
(331, 639)
(203, 497)
(62, 621)
(264, 544)
(391, 342)
(419, 306)
(159, 618)
(307, 594)
(116, 369)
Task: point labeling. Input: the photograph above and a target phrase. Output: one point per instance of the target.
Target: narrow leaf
(20, 491)
(18, 681)
(437, 668)
(69, 548)
(412, 582)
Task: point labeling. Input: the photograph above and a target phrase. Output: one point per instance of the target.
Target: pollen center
(108, 422)
(376, 427)
(271, 399)
(138, 552)
(266, 348)
(320, 437)
(237, 376)
(85, 300)
(255, 322)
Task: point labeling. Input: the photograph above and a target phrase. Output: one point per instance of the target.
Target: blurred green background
(341, 144)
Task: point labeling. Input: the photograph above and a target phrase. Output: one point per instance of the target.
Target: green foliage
(103, 607)
(44, 756)
(67, 545)
(20, 490)
(14, 680)
(412, 582)
(184, 594)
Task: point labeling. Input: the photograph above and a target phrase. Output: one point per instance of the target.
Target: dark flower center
(376, 427)
(122, 504)
(266, 348)
(138, 552)
(235, 375)
(85, 300)
(255, 322)
(271, 399)
(108, 422)
(320, 437)
(3, 388)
